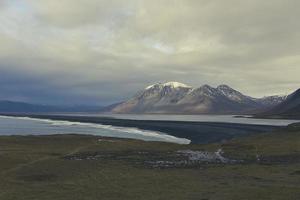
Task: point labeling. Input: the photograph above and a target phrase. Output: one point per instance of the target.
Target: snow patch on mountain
(172, 84)
(232, 94)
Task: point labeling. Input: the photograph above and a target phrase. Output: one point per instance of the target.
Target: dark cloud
(100, 51)
(22, 86)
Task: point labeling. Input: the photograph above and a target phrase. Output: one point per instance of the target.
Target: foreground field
(63, 167)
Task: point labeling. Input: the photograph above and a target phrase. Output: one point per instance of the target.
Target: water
(29, 126)
(200, 118)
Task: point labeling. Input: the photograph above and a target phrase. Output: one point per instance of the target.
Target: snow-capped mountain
(178, 98)
(289, 108)
(154, 98)
(233, 94)
(272, 100)
(169, 84)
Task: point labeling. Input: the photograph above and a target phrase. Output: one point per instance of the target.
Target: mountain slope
(290, 108)
(178, 98)
(207, 99)
(155, 98)
(271, 100)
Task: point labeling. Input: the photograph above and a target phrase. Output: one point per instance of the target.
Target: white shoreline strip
(134, 131)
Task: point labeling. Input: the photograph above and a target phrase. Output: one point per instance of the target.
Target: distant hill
(290, 108)
(178, 98)
(21, 107)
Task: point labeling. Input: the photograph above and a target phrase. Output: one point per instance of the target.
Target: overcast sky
(103, 51)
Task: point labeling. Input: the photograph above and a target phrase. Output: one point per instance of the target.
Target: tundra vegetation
(62, 167)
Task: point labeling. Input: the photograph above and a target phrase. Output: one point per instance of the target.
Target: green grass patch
(37, 167)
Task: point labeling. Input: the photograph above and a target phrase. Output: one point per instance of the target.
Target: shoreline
(196, 132)
(279, 117)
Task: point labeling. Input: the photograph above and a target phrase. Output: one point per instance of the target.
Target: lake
(167, 128)
(29, 126)
(197, 118)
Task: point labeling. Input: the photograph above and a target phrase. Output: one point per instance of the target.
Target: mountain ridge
(179, 98)
(290, 108)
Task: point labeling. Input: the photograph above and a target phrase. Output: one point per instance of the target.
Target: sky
(103, 51)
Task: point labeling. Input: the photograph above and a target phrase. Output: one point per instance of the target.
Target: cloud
(102, 50)
(68, 13)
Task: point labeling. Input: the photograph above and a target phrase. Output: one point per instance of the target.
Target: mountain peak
(172, 84)
(224, 87)
(207, 90)
(179, 98)
(206, 87)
